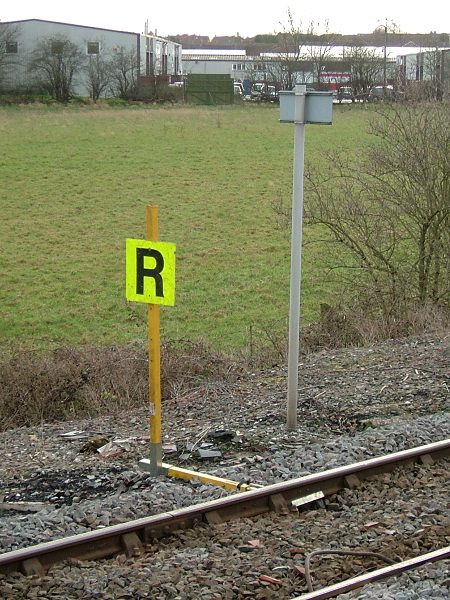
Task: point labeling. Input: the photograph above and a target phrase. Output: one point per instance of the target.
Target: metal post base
(153, 465)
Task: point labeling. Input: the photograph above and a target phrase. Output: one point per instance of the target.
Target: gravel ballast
(354, 404)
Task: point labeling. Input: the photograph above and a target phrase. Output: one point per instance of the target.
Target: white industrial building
(336, 68)
(427, 65)
(154, 55)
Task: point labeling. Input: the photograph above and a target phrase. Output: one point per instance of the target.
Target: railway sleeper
(32, 566)
(131, 543)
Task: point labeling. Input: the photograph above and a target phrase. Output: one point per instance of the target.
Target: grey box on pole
(318, 107)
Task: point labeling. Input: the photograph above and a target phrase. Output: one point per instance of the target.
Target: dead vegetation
(87, 382)
(75, 382)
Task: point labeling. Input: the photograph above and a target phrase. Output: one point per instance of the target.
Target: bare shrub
(186, 364)
(66, 383)
(9, 34)
(55, 63)
(87, 382)
(387, 211)
(98, 75)
(123, 74)
(342, 326)
(267, 344)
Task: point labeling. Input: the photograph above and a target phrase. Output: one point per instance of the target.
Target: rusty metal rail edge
(357, 582)
(130, 536)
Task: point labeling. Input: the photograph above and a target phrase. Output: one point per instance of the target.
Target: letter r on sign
(142, 272)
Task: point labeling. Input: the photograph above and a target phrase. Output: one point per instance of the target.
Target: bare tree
(55, 63)
(98, 75)
(432, 73)
(124, 74)
(320, 49)
(291, 51)
(8, 48)
(389, 211)
(366, 67)
(388, 27)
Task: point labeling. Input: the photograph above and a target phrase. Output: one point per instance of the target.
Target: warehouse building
(153, 55)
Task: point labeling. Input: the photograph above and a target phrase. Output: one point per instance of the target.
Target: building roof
(150, 35)
(68, 25)
(213, 52)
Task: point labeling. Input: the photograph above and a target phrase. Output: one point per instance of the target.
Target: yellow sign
(150, 272)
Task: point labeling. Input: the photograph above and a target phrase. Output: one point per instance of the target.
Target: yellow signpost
(150, 278)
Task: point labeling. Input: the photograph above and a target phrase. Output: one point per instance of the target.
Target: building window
(11, 48)
(93, 48)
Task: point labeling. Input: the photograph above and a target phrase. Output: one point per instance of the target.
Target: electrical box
(318, 107)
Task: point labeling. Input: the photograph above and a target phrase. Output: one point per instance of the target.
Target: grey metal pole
(296, 255)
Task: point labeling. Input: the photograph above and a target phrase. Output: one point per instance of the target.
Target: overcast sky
(228, 17)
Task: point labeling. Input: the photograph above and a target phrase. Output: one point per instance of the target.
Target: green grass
(74, 186)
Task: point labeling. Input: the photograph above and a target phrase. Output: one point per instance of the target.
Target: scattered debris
(23, 506)
(246, 548)
(169, 449)
(207, 454)
(309, 499)
(75, 435)
(371, 524)
(297, 550)
(79, 435)
(114, 448)
(93, 445)
(270, 580)
(222, 435)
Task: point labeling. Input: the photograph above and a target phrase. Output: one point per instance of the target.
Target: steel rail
(356, 582)
(130, 537)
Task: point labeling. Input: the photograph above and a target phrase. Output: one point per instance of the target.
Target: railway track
(131, 538)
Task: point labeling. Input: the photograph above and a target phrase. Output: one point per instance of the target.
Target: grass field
(74, 186)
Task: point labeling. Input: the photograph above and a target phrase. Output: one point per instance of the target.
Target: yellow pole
(154, 361)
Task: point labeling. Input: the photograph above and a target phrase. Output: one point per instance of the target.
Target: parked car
(238, 89)
(345, 93)
(264, 92)
(380, 93)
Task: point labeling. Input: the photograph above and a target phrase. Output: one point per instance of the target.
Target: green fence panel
(209, 89)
